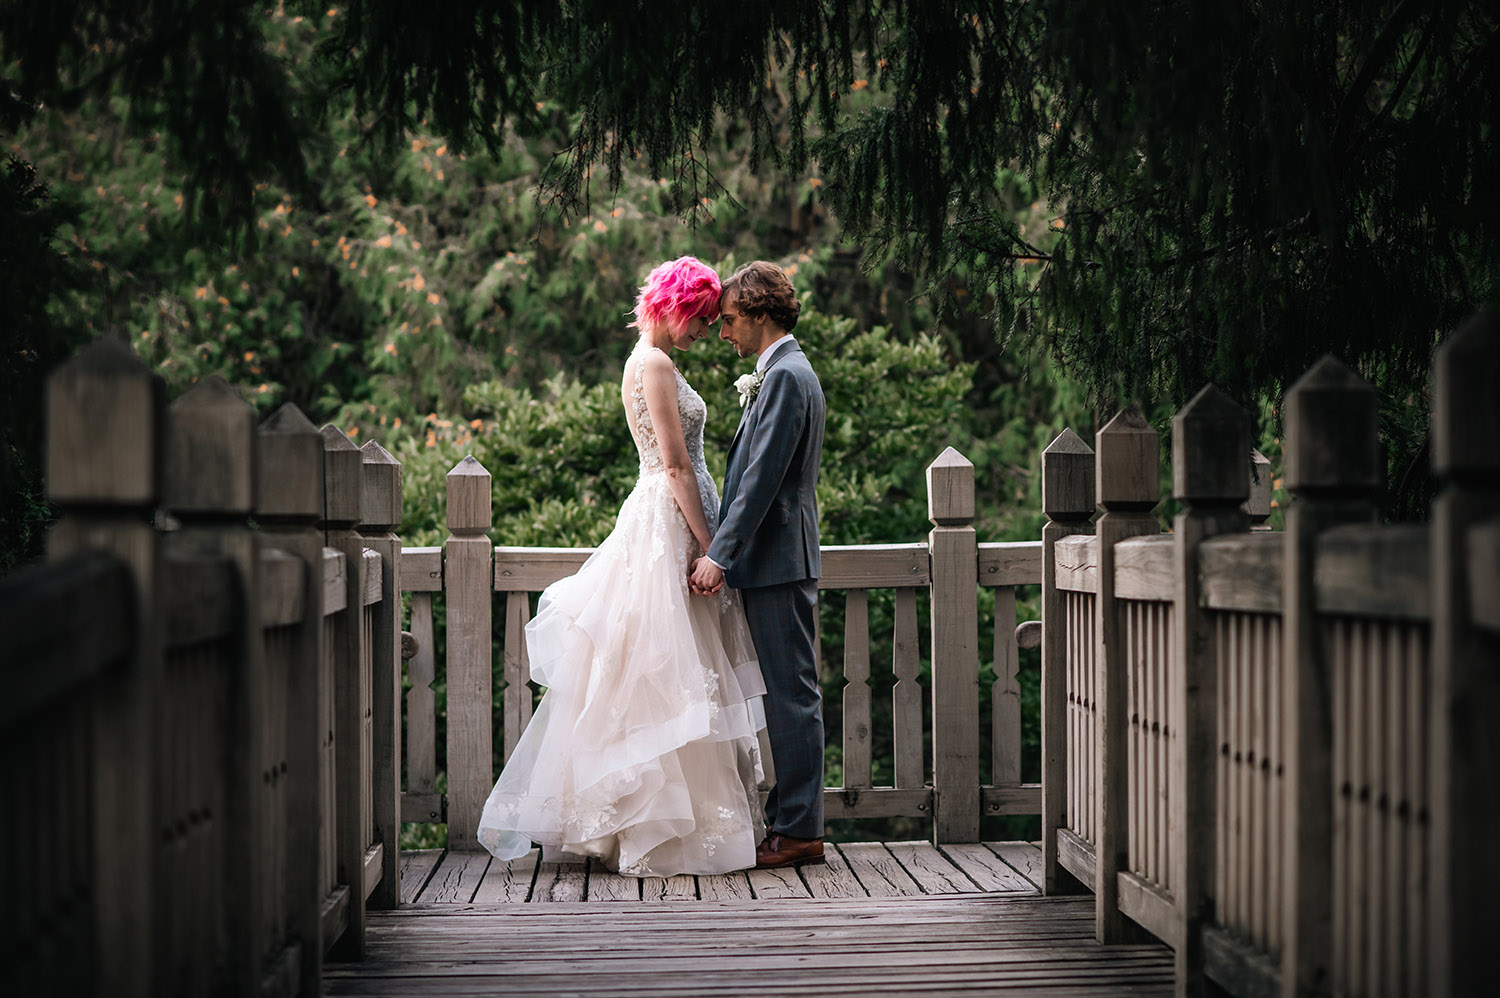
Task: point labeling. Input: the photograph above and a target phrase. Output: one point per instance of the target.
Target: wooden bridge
(1268, 760)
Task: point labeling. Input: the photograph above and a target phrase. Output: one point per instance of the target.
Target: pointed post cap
(105, 410)
(950, 490)
(468, 498)
(1210, 437)
(1331, 417)
(1127, 459)
(1068, 478)
(1465, 399)
(210, 451)
(381, 503)
(343, 479)
(289, 467)
(1259, 503)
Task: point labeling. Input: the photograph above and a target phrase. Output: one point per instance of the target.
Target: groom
(767, 547)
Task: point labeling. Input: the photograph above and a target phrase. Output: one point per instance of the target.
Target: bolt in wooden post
(1127, 459)
(381, 508)
(104, 423)
(955, 648)
(1465, 766)
(288, 505)
(210, 490)
(343, 495)
(1068, 501)
(1209, 439)
(1332, 471)
(469, 585)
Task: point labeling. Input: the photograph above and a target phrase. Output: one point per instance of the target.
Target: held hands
(704, 577)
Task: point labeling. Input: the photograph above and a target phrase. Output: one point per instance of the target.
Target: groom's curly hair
(762, 288)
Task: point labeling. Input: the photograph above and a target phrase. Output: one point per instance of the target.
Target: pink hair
(676, 293)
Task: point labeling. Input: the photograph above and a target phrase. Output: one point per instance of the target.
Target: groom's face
(741, 332)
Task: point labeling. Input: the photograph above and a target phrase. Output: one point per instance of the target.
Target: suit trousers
(783, 623)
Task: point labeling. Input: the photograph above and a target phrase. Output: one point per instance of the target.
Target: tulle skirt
(644, 751)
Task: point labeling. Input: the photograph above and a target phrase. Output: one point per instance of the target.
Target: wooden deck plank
(416, 867)
(559, 882)
(606, 885)
(679, 888)
(508, 881)
(877, 870)
(777, 884)
(932, 871)
(725, 887)
(831, 878)
(455, 879)
(1024, 857)
(771, 948)
(985, 868)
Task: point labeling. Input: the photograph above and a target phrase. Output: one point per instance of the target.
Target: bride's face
(691, 333)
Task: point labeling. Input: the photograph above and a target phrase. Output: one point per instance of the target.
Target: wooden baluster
(1465, 766)
(906, 696)
(105, 411)
(517, 705)
(469, 585)
(343, 497)
(381, 508)
(209, 488)
(955, 648)
(288, 505)
(1209, 439)
(1005, 694)
(1068, 501)
(1258, 505)
(1127, 481)
(1332, 470)
(856, 690)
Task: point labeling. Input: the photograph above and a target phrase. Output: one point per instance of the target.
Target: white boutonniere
(748, 385)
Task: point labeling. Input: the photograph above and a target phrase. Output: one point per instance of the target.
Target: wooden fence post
(209, 488)
(1127, 456)
(469, 587)
(343, 495)
(1209, 439)
(381, 507)
(1258, 505)
(1068, 501)
(1465, 766)
(1332, 471)
(288, 504)
(105, 411)
(955, 648)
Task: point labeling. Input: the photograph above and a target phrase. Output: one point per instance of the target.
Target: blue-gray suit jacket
(768, 516)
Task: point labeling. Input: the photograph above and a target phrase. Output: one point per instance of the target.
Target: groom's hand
(706, 578)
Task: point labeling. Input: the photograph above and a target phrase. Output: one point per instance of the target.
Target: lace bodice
(692, 412)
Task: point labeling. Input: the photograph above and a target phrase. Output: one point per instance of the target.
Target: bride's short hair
(762, 288)
(676, 293)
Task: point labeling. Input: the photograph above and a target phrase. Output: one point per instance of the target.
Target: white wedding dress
(644, 749)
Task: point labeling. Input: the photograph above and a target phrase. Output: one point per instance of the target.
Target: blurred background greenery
(426, 225)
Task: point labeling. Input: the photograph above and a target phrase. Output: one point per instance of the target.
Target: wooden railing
(947, 571)
(202, 710)
(1274, 751)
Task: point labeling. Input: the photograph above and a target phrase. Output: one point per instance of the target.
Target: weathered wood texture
(381, 509)
(955, 648)
(1465, 767)
(179, 727)
(468, 581)
(775, 947)
(1126, 486)
(1068, 501)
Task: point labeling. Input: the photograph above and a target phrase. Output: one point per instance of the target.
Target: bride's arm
(660, 384)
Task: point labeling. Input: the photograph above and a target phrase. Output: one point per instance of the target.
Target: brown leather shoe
(783, 850)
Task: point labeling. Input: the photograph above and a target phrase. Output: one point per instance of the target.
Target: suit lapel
(781, 354)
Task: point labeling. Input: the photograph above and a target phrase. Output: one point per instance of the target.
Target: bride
(643, 751)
